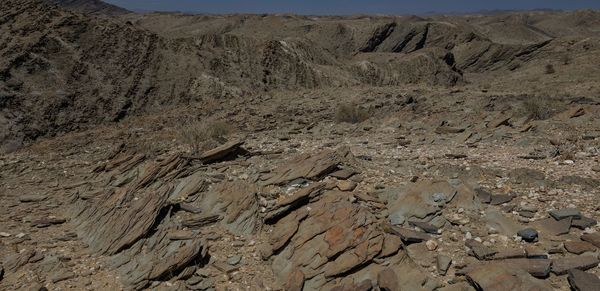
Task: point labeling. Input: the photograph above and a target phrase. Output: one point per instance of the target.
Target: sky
(348, 7)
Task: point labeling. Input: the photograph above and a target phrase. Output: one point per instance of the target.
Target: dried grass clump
(549, 69)
(351, 113)
(539, 108)
(197, 134)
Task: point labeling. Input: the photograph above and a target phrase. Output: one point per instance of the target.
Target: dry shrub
(550, 69)
(197, 134)
(350, 113)
(539, 108)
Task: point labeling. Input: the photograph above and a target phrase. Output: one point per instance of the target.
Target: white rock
(4, 234)
(431, 245)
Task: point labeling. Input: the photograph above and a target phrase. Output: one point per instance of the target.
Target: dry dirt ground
(290, 170)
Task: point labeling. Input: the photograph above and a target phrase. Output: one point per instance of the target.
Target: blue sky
(344, 7)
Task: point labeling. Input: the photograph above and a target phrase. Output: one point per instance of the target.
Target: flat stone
(410, 236)
(563, 265)
(343, 174)
(527, 214)
(528, 234)
(32, 198)
(225, 268)
(579, 247)
(181, 235)
(534, 252)
(295, 281)
(484, 195)
(582, 281)
(554, 227)
(426, 226)
(480, 251)
(234, 260)
(565, 213)
(346, 185)
(45, 222)
(4, 234)
(501, 199)
(583, 222)
(496, 277)
(221, 152)
(396, 218)
(593, 238)
(443, 264)
(503, 254)
(62, 276)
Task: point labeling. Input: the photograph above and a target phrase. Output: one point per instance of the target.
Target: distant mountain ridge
(95, 7)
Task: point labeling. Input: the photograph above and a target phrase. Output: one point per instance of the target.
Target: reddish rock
(562, 265)
(579, 247)
(593, 238)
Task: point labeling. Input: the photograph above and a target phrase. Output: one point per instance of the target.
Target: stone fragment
(31, 198)
(396, 218)
(593, 238)
(346, 185)
(426, 226)
(343, 174)
(554, 227)
(582, 281)
(295, 281)
(585, 262)
(583, 222)
(510, 254)
(480, 251)
(45, 222)
(496, 277)
(579, 247)
(234, 260)
(443, 264)
(388, 280)
(62, 275)
(565, 213)
(484, 195)
(15, 261)
(528, 234)
(409, 235)
(222, 152)
(431, 245)
(498, 199)
(308, 166)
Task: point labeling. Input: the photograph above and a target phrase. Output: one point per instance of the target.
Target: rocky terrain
(281, 152)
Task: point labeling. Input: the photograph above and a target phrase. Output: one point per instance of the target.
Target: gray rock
(397, 218)
(501, 199)
(234, 260)
(565, 213)
(439, 197)
(62, 276)
(583, 222)
(31, 198)
(528, 234)
(443, 264)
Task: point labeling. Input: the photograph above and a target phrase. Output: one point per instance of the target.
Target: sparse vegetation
(350, 113)
(549, 69)
(540, 108)
(197, 133)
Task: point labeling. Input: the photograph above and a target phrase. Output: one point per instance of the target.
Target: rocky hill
(94, 7)
(64, 70)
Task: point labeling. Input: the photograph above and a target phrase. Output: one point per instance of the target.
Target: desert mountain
(94, 7)
(62, 70)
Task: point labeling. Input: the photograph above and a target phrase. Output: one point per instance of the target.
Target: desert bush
(196, 134)
(350, 113)
(539, 108)
(549, 69)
